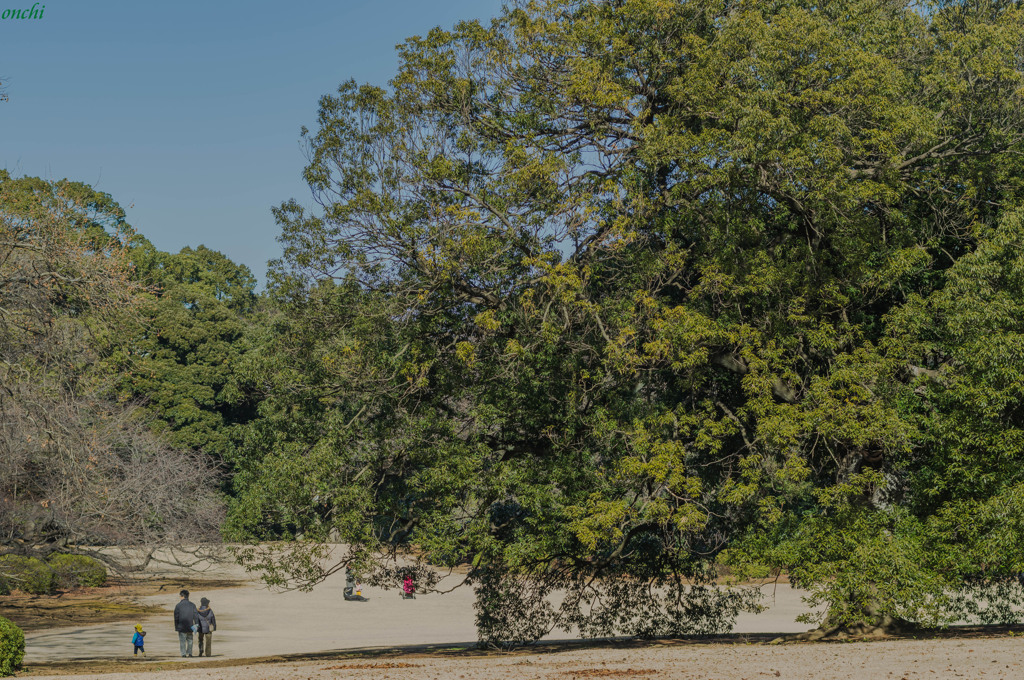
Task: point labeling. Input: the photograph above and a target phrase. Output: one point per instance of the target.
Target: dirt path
(987, 659)
(319, 632)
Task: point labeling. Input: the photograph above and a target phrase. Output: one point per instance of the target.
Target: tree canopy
(605, 299)
(79, 466)
(604, 295)
(192, 337)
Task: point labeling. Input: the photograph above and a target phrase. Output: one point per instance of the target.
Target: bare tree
(78, 468)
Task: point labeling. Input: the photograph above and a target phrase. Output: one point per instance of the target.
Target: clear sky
(187, 112)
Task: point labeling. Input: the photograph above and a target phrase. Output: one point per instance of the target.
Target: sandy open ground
(989, 659)
(254, 622)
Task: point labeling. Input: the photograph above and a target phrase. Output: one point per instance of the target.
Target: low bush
(12, 647)
(71, 571)
(27, 574)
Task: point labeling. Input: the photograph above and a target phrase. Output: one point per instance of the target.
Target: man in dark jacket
(185, 618)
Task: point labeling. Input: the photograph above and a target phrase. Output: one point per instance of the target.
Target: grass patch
(113, 603)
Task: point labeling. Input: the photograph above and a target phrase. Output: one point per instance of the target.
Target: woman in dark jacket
(207, 624)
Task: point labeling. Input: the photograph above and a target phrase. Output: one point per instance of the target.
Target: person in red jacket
(408, 588)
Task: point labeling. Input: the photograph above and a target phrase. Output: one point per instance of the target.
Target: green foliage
(193, 333)
(602, 290)
(71, 571)
(27, 574)
(12, 647)
(77, 463)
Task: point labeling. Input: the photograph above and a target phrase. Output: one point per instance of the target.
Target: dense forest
(608, 298)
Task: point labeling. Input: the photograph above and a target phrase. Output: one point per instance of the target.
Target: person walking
(185, 623)
(139, 640)
(207, 624)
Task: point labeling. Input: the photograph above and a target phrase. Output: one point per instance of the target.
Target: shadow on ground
(474, 649)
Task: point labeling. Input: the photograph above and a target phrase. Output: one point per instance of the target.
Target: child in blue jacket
(138, 640)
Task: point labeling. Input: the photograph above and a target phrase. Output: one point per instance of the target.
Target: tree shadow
(475, 649)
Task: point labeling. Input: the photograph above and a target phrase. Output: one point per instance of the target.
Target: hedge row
(12, 647)
(71, 571)
(37, 577)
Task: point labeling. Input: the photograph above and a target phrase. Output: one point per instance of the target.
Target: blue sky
(188, 113)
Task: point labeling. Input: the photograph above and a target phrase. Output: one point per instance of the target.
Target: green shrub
(77, 570)
(4, 588)
(12, 647)
(27, 574)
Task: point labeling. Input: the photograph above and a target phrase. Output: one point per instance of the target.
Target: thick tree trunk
(871, 626)
(871, 623)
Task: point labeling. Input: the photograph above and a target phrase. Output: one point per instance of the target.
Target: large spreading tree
(602, 295)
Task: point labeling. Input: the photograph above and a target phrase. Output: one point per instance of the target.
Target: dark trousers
(205, 643)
